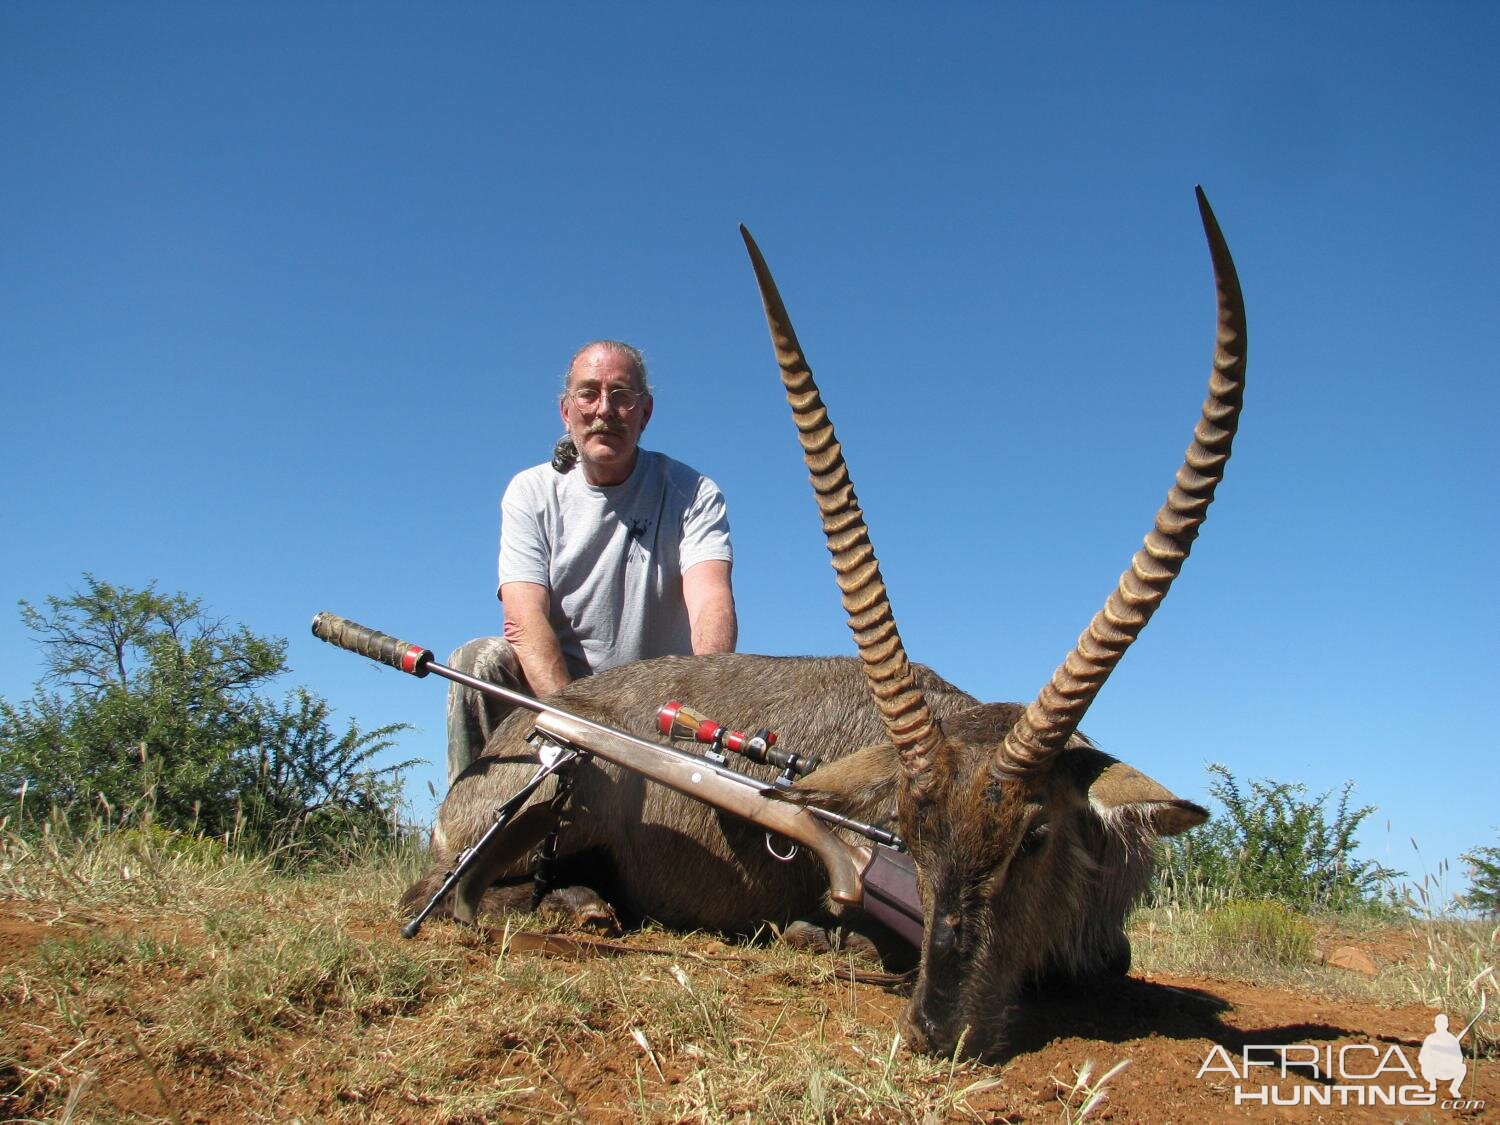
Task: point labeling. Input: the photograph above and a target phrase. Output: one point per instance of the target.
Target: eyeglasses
(622, 399)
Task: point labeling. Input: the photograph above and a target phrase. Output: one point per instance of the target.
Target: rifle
(877, 877)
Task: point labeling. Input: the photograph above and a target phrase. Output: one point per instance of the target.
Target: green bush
(1483, 896)
(151, 712)
(1273, 843)
(1268, 930)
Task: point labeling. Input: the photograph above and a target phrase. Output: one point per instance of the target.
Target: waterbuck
(1030, 844)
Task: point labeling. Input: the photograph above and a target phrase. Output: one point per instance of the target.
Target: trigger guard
(771, 847)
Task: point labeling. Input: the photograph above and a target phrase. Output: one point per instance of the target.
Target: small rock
(1355, 960)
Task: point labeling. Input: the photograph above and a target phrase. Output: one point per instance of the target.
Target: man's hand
(530, 634)
(710, 605)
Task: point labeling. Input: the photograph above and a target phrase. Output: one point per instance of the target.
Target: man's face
(606, 434)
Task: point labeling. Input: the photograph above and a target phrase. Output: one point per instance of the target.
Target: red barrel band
(667, 716)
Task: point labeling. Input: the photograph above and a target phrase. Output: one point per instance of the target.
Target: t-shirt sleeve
(525, 551)
(705, 527)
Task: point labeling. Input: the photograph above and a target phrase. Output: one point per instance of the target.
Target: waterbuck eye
(1034, 840)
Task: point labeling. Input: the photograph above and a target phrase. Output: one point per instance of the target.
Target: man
(610, 553)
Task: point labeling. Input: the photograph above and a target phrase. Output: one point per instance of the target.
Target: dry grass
(1261, 931)
(1086, 1095)
(147, 977)
(179, 963)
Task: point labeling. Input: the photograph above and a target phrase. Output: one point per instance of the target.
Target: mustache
(604, 426)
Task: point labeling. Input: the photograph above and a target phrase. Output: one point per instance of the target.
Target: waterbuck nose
(943, 935)
(915, 1030)
(924, 1032)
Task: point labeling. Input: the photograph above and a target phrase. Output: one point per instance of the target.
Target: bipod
(552, 758)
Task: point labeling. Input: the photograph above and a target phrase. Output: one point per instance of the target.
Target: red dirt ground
(1165, 1025)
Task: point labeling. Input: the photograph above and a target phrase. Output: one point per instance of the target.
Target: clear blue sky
(285, 291)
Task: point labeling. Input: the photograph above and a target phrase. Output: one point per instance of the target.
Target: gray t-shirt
(612, 558)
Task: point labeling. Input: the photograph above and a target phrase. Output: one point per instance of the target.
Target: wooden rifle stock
(733, 792)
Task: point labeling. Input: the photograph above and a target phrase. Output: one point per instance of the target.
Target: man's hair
(631, 354)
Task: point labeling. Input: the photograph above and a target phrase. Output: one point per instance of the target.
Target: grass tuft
(1261, 929)
(1086, 1095)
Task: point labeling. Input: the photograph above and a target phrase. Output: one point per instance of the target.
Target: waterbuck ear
(1119, 790)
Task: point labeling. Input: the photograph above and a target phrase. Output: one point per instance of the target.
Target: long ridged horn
(900, 702)
(1048, 723)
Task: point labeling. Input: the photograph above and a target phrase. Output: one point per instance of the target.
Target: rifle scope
(675, 720)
